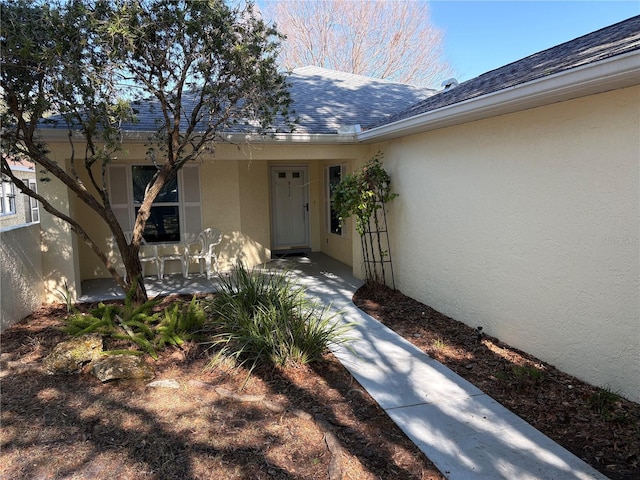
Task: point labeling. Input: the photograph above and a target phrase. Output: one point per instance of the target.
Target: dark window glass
(335, 174)
(163, 225)
(142, 175)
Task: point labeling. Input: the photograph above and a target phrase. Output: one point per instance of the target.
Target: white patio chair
(148, 253)
(207, 242)
(180, 255)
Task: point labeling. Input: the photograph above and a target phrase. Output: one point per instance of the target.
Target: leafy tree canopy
(87, 65)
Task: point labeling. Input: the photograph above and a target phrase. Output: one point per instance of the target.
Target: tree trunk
(134, 280)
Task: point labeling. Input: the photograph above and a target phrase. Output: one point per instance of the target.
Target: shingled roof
(328, 100)
(611, 41)
(325, 102)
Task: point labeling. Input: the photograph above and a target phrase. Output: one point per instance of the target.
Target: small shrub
(603, 400)
(527, 373)
(521, 377)
(65, 295)
(262, 317)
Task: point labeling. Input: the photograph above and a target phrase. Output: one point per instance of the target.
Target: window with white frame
(8, 197)
(334, 174)
(175, 211)
(31, 211)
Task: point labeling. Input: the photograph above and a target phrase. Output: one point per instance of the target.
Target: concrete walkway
(463, 431)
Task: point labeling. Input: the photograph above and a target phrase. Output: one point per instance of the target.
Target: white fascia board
(618, 72)
(20, 168)
(308, 138)
(141, 137)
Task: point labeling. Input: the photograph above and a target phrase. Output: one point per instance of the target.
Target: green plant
(363, 195)
(179, 323)
(524, 373)
(263, 317)
(438, 343)
(521, 376)
(149, 330)
(65, 294)
(603, 400)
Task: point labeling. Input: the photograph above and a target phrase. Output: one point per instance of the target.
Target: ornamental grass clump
(264, 318)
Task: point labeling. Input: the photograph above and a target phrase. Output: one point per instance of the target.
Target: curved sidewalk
(463, 431)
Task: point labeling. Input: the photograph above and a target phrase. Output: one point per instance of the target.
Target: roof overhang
(306, 138)
(614, 73)
(57, 135)
(610, 74)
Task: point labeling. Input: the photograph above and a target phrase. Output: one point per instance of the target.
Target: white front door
(290, 207)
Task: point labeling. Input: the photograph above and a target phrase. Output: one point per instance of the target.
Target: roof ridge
(342, 74)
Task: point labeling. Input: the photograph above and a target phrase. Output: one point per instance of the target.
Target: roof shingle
(617, 39)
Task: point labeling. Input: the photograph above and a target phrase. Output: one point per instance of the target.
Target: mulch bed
(306, 422)
(602, 429)
(298, 422)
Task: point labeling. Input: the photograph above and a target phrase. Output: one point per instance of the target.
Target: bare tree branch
(393, 40)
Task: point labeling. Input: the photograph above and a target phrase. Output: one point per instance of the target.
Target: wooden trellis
(376, 248)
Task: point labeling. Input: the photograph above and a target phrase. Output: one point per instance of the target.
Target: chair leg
(209, 273)
(161, 270)
(185, 269)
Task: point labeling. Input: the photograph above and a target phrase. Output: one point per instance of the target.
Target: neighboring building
(518, 207)
(16, 208)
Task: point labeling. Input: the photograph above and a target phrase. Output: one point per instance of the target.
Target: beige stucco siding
(21, 280)
(528, 225)
(60, 263)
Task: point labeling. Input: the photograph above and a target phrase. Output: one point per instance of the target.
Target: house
(518, 205)
(16, 208)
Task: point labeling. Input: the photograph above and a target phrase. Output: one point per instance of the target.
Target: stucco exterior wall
(528, 225)
(21, 280)
(60, 263)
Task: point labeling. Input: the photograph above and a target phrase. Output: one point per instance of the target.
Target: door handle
(306, 206)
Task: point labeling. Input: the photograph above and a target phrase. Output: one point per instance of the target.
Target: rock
(164, 384)
(70, 356)
(121, 367)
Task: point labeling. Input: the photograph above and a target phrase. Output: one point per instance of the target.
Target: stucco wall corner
(21, 279)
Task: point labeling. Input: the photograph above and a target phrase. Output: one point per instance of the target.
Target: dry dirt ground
(311, 422)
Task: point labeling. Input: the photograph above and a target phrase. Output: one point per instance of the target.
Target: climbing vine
(363, 194)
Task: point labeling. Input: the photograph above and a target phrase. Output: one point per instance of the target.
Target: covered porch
(305, 266)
